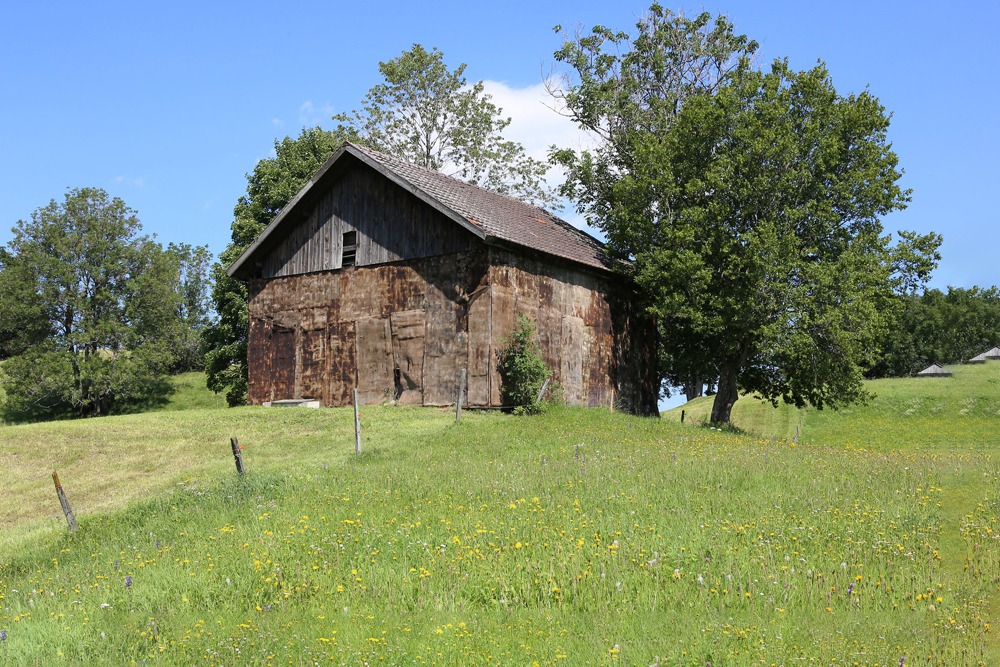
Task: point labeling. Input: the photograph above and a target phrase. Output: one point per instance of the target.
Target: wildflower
(902, 661)
(850, 589)
(128, 582)
(3, 635)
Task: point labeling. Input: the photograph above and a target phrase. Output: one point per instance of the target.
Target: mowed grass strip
(575, 537)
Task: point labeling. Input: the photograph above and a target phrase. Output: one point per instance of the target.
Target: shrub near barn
(522, 370)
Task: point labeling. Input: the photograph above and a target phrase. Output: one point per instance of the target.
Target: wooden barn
(391, 278)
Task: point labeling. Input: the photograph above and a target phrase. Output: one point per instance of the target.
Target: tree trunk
(693, 389)
(726, 395)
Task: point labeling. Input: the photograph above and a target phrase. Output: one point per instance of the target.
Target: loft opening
(350, 249)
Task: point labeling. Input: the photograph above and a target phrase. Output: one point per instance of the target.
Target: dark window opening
(350, 249)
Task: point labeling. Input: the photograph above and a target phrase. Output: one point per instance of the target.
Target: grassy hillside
(575, 537)
(928, 414)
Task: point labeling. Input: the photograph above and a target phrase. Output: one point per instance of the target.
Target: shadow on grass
(723, 428)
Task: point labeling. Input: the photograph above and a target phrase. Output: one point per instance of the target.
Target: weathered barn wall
(600, 351)
(403, 331)
(357, 326)
(391, 224)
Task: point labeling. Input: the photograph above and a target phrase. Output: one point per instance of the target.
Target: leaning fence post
(541, 392)
(64, 502)
(458, 399)
(238, 455)
(357, 425)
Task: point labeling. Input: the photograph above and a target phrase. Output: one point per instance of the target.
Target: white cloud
(536, 124)
(535, 120)
(311, 115)
(134, 181)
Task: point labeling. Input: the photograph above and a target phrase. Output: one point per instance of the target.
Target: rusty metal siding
(402, 332)
(600, 350)
(361, 325)
(391, 224)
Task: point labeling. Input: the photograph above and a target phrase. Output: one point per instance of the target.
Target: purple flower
(3, 635)
(902, 661)
(850, 589)
(128, 582)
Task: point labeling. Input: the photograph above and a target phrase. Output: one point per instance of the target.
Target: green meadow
(576, 537)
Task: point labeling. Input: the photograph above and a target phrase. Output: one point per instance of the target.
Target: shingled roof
(490, 216)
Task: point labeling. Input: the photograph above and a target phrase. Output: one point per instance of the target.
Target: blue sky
(169, 105)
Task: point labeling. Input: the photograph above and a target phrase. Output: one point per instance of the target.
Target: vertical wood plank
(357, 425)
(458, 399)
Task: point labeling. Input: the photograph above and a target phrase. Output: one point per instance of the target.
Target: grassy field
(577, 537)
(925, 414)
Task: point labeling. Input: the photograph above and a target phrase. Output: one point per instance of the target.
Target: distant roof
(934, 371)
(993, 353)
(488, 215)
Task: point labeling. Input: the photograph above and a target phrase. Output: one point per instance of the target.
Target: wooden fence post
(357, 424)
(64, 502)
(682, 416)
(238, 455)
(458, 399)
(541, 392)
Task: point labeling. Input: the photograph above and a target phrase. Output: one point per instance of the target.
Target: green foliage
(193, 285)
(940, 328)
(522, 369)
(429, 115)
(272, 184)
(749, 203)
(99, 307)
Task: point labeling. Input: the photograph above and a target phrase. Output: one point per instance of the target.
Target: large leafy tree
(273, 182)
(749, 206)
(429, 115)
(621, 87)
(91, 301)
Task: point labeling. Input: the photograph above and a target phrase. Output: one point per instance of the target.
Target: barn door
(408, 356)
(282, 362)
(342, 377)
(313, 364)
(373, 349)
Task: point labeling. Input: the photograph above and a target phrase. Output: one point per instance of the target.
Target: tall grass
(575, 537)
